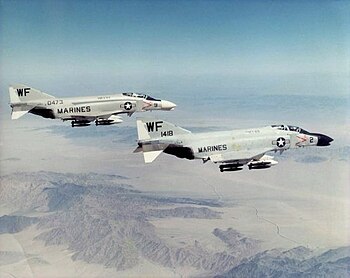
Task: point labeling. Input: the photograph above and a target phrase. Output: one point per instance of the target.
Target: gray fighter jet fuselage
(231, 149)
(104, 110)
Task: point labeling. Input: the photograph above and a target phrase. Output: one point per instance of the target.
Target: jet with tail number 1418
(81, 111)
(231, 149)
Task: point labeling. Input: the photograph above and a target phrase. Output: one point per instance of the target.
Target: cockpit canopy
(290, 128)
(147, 97)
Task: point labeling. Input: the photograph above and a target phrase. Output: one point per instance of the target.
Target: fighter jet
(230, 149)
(81, 111)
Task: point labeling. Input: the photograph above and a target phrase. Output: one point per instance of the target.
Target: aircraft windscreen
(291, 128)
(281, 127)
(128, 94)
(151, 98)
(297, 129)
(147, 97)
(294, 128)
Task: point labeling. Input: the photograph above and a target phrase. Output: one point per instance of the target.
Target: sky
(177, 47)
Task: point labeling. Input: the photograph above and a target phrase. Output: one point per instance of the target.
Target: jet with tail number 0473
(230, 149)
(81, 111)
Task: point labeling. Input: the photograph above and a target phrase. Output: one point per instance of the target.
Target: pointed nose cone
(323, 140)
(167, 105)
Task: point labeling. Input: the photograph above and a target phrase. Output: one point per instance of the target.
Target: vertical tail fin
(21, 97)
(152, 128)
(23, 93)
(152, 136)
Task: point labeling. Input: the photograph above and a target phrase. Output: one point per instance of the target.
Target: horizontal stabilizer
(151, 156)
(20, 110)
(17, 114)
